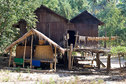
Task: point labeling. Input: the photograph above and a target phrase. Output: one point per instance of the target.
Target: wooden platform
(92, 50)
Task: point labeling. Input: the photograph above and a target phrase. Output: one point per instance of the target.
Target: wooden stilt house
(56, 26)
(59, 31)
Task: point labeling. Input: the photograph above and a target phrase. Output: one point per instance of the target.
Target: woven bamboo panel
(43, 52)
(20, 51)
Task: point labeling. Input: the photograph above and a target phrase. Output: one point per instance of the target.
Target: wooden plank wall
(88, 30)
(55, 27)
(51, 25)
(20, 51)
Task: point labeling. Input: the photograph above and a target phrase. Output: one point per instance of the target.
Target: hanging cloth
(82, 38)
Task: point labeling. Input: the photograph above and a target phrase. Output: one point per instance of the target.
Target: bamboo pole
(10, 57)
(34, 31)
(47, 39)
(24, 52)
(19, 40)
(31, 52)
(55, 60)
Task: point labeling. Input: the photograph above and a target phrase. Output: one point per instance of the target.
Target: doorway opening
(71, 39)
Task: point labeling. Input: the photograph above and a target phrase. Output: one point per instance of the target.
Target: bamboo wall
(20, 51)
(43, 52)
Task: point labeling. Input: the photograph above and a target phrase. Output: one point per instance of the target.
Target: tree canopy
(11, 11)
(111, 12)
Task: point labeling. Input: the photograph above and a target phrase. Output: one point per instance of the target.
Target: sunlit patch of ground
(9, 77)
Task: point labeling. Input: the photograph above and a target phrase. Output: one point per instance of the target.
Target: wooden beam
(19, 40)
(102, 64)
(70, 54)
(31, 52)
(34, 31)
(10, 57)
(49, 40)
(55, 60)
(98, 60)
(24, 52)
(108, 63)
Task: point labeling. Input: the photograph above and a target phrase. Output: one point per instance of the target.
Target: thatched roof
(36, 32)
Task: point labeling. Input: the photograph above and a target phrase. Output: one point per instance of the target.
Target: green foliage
(74, 53)
(112, 18)
(67, 8)
(5, 79)
(114, 21)
(28, 69)
(18, 69)
(11, 11)
(118, 49)
(111, 12)
(19, 77)
(51, 81)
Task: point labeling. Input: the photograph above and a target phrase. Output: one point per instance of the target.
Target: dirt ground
(20, 77)
(14, 77)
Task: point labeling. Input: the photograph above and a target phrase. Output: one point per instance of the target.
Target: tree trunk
(22, 26)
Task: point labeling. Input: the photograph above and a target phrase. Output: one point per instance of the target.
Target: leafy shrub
(74, 53)
(118, 49)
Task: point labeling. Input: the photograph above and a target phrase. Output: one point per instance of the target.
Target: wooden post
(108, 63)
(92, 62)
(116, 40)
(98, 60)
(67, 39)
(70, 54)
(102, 64)
(31, 52)
(10, 57)
(51, 65)
(110, 41)
(55, 60)
(24, 52)
(119, 60)
(105, 40)
(76, 40)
